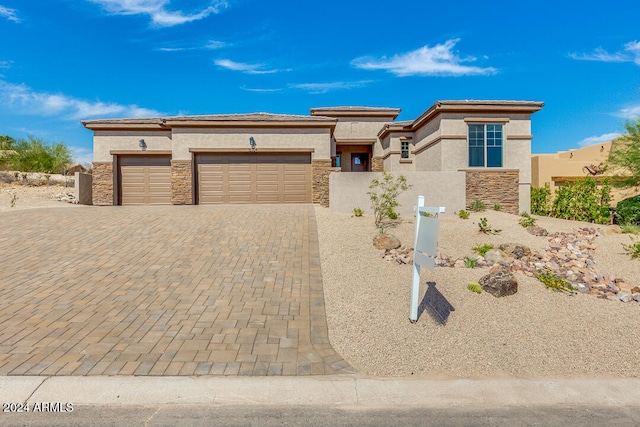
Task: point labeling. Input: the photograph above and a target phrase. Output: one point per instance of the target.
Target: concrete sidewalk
(334, 390)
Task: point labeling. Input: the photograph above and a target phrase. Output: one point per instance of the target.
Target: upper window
(404, 149)
(485, 145)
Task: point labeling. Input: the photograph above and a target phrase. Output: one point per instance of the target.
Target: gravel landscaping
(534, 333)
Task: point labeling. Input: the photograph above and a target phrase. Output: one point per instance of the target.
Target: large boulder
(386, 241)
(515, 250)
(499, 283)
(497, 256)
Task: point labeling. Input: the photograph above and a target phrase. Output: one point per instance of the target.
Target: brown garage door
(254, 178)
(144, 180)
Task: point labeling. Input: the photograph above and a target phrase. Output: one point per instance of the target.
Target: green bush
(463, 214)
(474, 287)
(497, 206)
(477, 206)
(37, 155)
(470, 262)
(486, 228)
(526, 220)
(384, 197)
(482, 249)
(357, 212)
(628, 211)
(541, 200)
(552, 281)
(583, 201)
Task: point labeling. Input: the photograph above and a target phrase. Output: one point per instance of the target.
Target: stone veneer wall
(103, 183)
(377, 164)
(320, 171)
(494, 186)
(181, 182)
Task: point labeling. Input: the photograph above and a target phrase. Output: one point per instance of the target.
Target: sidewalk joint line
(36, 389)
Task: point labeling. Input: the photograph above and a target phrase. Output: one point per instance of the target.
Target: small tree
(624, 157)
(384, 197)
(37, 155)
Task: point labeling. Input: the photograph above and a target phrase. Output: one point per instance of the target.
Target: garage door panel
(254, 178)
(145, 180)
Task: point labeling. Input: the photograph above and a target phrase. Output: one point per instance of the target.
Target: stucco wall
(235, 138)
(359, 127)
(105, 141)
(430, 159)
(349, 190)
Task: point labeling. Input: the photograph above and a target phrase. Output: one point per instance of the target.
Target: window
(485, 145)
(404, 149)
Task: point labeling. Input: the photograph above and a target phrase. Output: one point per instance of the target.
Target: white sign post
(425, 247)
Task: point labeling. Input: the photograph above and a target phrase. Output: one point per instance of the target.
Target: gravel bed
(32, 197)
(460, 334)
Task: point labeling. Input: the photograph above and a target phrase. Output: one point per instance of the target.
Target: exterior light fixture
(252, 144)
(142, 144)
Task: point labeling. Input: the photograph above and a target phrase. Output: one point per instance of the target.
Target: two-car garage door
(254, 178)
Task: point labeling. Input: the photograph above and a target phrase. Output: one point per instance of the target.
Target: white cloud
(10, 14)
(631, 112)
(598, 139)
(6, 64)
(82, 155)
(156, 10)
(316, 88)
(210, 45)
(245, 68)
(439, 60)
(631, 53)
(248, 89)
(27, 101)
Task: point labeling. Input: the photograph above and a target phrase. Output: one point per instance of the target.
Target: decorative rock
(499, 283)
(537, 231)
(613, 229)
(497, 256)
(515, 250)
(582, 288)
(386, 241)
(459, 264)
(624, 297)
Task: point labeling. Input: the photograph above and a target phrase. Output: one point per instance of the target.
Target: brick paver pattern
(163, 290)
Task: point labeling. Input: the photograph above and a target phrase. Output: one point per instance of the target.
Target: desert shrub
(475, 287)
(357, 212)
(384, 197)
(541, 200)
(583, 201)
(497, 206)
(486, 228)
(37, 155)
(477, 206)
(470, 262)
(630, 228)
(482, 249)
(633, 250)
(463, 214)
(552, 281)
(526, 220)
(628, 211)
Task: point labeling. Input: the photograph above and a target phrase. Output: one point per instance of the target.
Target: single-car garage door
(254, 178)
(144, 180)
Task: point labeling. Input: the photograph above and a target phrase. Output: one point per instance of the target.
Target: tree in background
(624, 157)
(38, 155)
(6, 145)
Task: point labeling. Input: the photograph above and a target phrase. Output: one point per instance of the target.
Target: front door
(359, 162)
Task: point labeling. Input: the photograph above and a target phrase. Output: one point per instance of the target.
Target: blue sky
(62, 61)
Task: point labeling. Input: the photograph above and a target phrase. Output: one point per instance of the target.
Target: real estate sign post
(425, 247)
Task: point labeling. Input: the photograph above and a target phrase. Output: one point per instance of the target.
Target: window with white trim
(404, 149)
(485, 145)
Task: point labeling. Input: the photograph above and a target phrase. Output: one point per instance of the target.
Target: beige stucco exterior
(438, 142)
(566, 166)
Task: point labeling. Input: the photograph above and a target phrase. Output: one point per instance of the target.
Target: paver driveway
(176, 290)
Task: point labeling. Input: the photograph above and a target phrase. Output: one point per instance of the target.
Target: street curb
(336, 390)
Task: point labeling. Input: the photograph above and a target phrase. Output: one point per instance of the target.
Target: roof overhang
(379, 112)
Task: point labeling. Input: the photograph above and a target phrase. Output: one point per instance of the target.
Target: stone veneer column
(320, 170)
(181, 182)
(494, 186)
(377, 164)
(102, 183)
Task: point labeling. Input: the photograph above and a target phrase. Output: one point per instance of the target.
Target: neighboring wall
(349, 190)
(570, 164)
